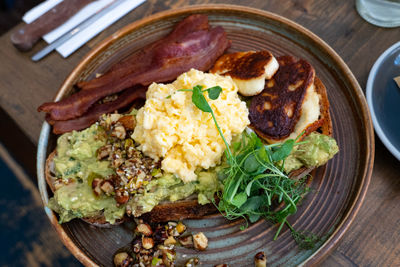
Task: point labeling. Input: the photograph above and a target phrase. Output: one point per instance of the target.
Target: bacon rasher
(191, 45)
(93, 114)
(131, 64)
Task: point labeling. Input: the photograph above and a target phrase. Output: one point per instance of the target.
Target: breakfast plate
(337, 189)
(383, 96)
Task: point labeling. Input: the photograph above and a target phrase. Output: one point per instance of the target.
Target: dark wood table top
(374, 237)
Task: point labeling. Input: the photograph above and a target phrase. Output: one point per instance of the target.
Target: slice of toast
(180, 210)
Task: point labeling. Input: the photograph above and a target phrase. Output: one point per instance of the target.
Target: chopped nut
(192, 262)
(180, 228)
(122, 259)
(200, 241)
(260, 260)
(168, 257)
(96, 183)
(175, 232)
(121, 196)
(170, 241)
(107, 187)
(136, 245)
(103, 152)
(144, 229)
(129, 122)
(147, 242)
(117, 161)
(186, 241)
(114, 117)
(119, 132)
(173, 224)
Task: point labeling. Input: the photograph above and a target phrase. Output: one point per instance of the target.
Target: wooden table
(374, 237)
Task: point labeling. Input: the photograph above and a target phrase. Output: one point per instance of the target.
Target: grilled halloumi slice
(289, 104)
(247, 69)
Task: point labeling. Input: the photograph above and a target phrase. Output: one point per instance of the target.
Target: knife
(83, 25)
(27, 36)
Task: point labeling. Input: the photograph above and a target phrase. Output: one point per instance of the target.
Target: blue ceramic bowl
(383, 96)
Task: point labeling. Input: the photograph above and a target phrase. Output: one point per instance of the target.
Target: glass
(383, 13)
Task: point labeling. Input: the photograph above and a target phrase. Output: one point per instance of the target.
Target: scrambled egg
(174, 129)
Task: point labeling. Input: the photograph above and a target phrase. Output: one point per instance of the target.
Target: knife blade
(83, 25)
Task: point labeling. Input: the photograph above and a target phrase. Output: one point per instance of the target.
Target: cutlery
(27, 36)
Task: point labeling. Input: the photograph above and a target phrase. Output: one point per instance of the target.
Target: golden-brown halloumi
(289, 104)
(247, 69)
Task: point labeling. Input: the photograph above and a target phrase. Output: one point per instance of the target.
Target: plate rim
(366, 173)
(369, 89)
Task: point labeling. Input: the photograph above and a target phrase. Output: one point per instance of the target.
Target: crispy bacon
(93, 114)
(131, 64)
(190, 45)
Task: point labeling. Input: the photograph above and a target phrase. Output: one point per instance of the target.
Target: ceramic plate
(338, 188)
(383, 96)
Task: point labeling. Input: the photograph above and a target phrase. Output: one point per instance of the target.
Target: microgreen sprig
(255, 184)
(201, 103)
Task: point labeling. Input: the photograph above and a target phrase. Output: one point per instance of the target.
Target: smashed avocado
(170, 188)
(316, 150)
(76, 154)
(76, 159)
(77, 200)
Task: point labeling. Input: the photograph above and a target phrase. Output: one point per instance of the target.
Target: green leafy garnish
(199, 100)
(201, 103)
(305, 239)
(214, 92)
(255, 184)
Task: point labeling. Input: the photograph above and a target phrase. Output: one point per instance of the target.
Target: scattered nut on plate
(260, 260)
(154, 245)
(200, 241)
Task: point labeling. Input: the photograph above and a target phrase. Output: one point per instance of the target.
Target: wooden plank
(337, 259)
(374, 238)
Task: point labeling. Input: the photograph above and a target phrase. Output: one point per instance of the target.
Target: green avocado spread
(77, 200)
(76, 154)
(316, 150)
(76, 162)
(170, 188)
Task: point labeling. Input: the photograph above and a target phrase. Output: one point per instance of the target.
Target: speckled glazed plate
(338, 188)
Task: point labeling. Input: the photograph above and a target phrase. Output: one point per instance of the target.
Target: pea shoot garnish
(254, 183)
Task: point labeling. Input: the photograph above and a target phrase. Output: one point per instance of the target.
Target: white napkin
(84, 35)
